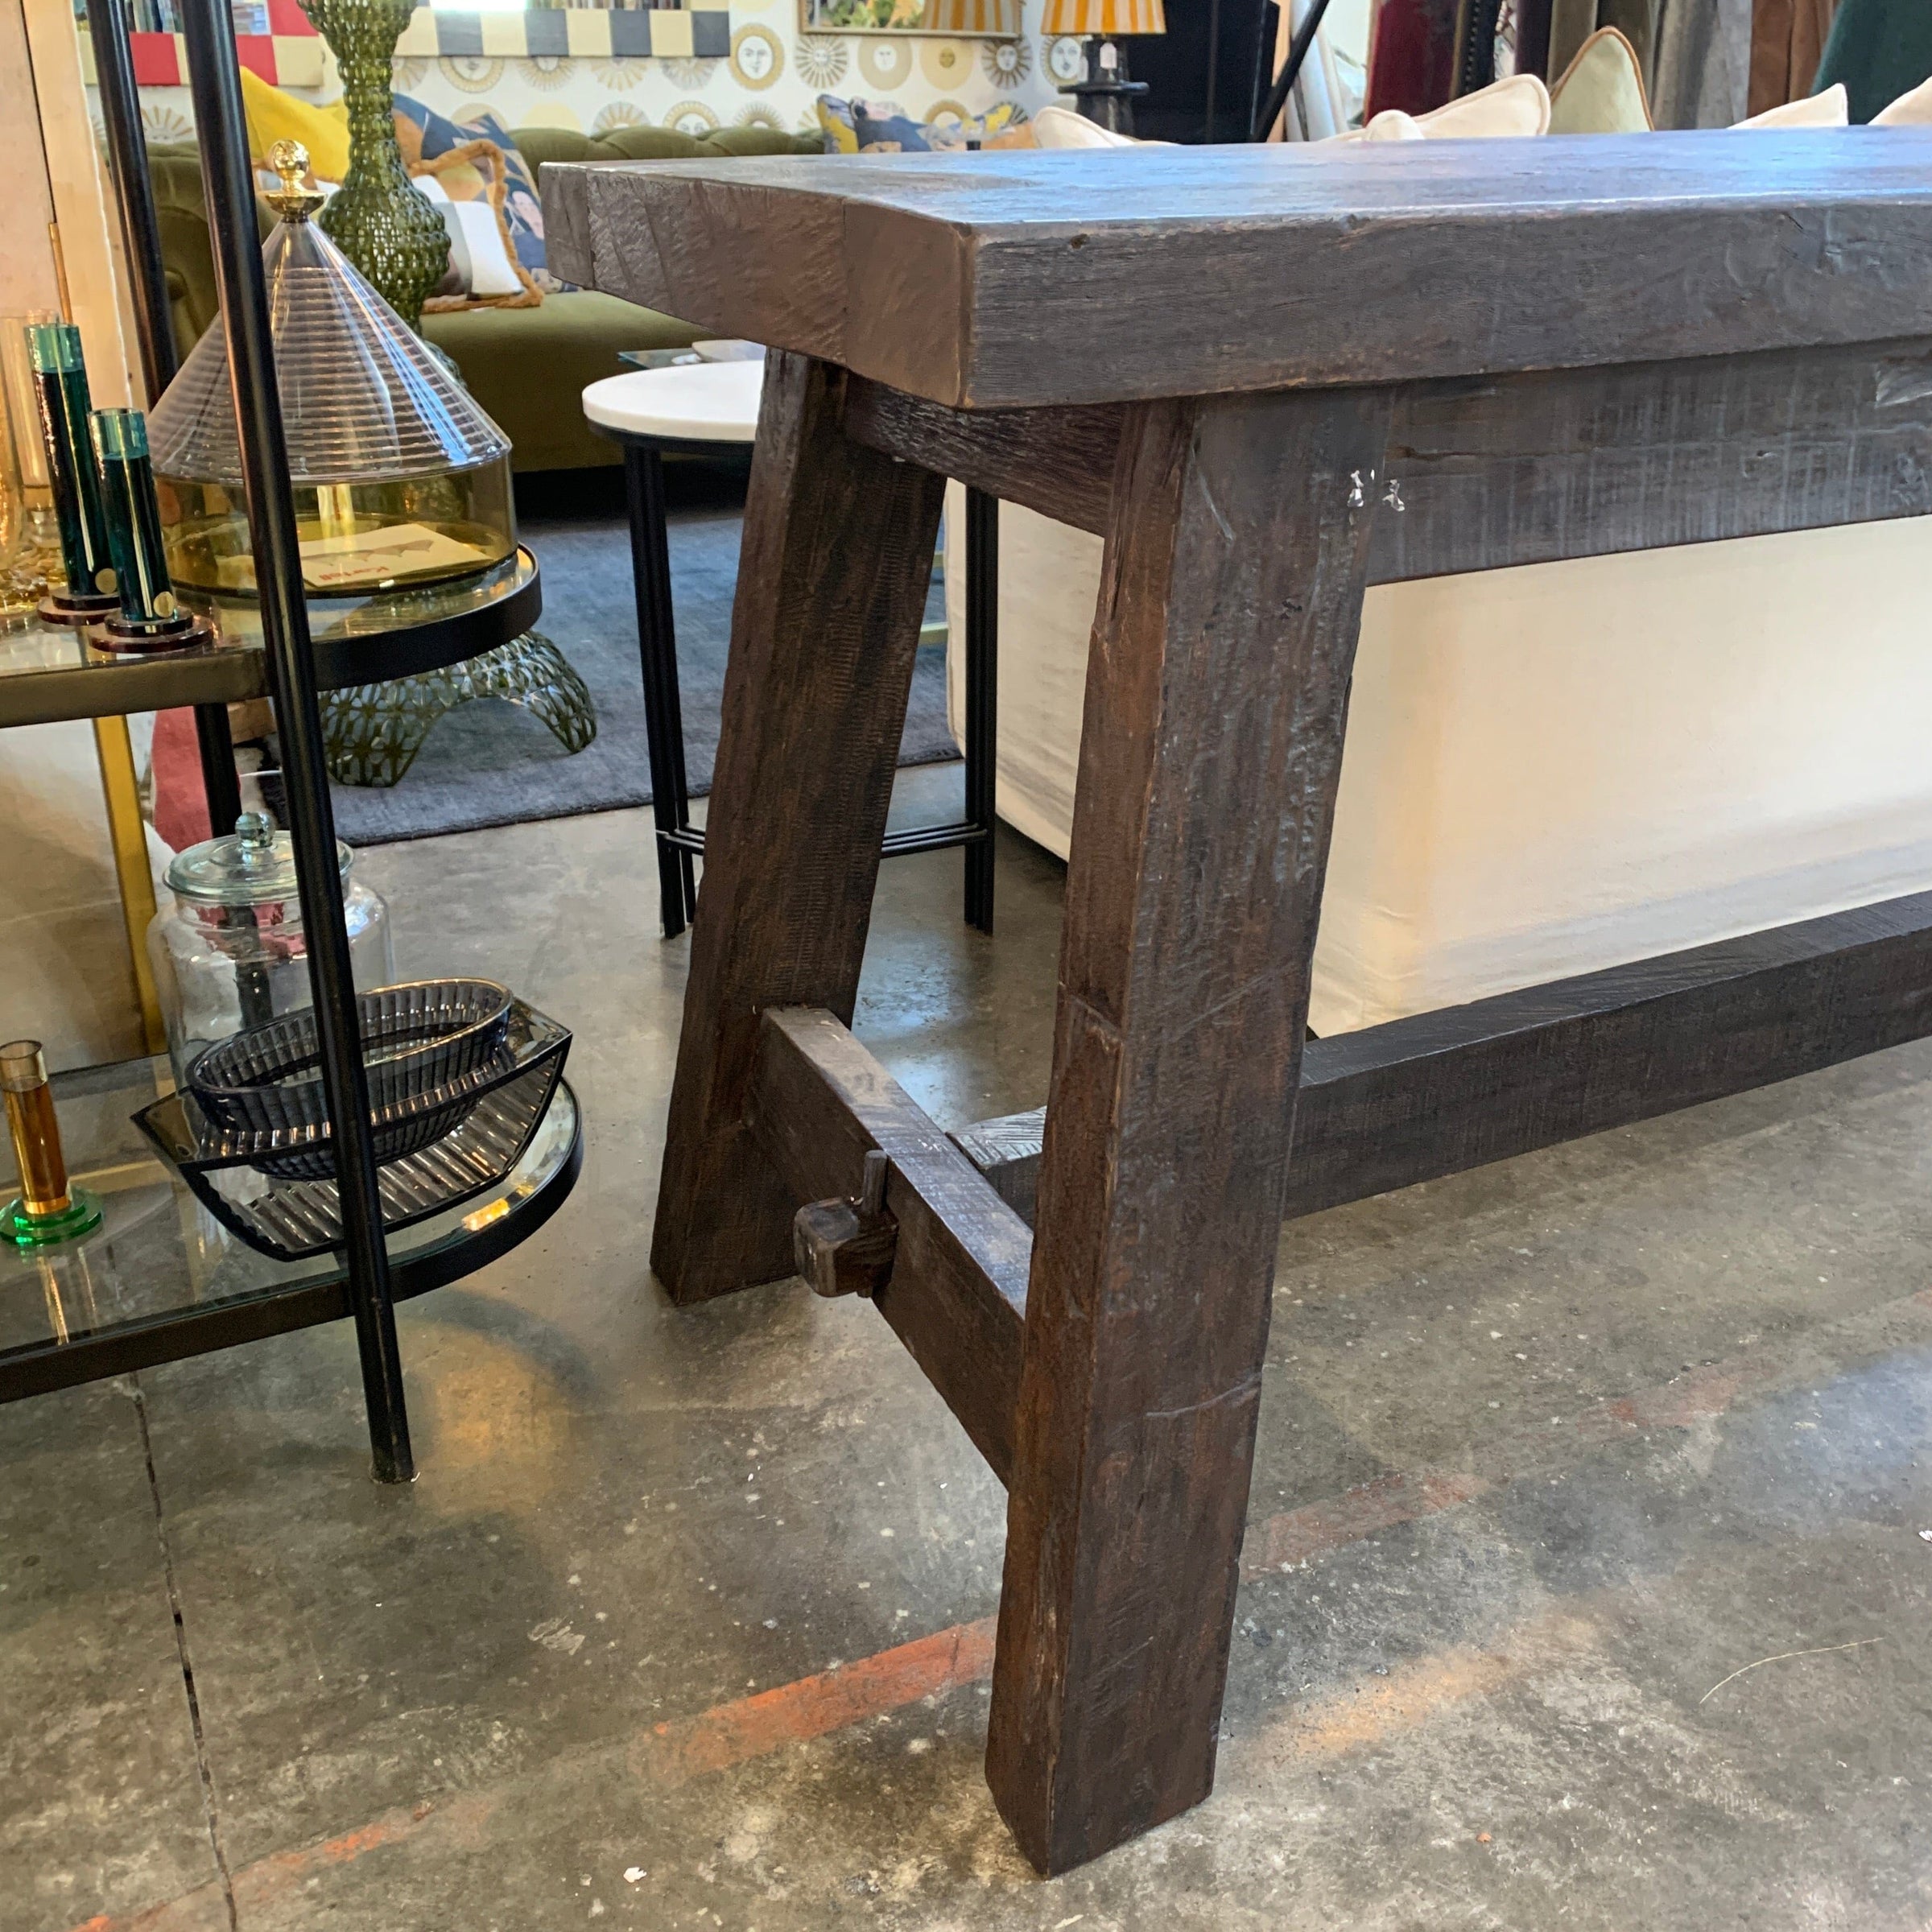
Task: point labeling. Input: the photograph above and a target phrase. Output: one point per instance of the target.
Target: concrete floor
(685, 1622)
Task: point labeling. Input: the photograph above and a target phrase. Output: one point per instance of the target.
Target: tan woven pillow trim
(531, 296)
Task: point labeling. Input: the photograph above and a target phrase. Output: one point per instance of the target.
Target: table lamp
(1106, 94)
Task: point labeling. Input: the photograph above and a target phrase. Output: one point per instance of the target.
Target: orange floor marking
(1296, 1535)
(734, 1733)
(751, 1727)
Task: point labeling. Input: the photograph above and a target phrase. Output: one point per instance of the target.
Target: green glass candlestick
(148, 618)
(53, 350)
(391, 233)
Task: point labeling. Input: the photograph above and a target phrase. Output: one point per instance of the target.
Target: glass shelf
(48, 671)
(162, 1279)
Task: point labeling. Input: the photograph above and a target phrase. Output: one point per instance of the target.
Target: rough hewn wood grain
(957, 1295)
(1217, 688)
(1057, 461)
(1577, 463)
(1439, 1092)
(567, 252)
(1534, 467)
(831, 587)
(1017, 278)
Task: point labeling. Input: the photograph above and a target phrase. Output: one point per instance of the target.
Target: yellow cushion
(1601, 92)
(841, 133)
(274, 116)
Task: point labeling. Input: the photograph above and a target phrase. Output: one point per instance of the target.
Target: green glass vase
(392, 233)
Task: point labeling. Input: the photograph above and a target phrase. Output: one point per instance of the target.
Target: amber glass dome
(399, 477)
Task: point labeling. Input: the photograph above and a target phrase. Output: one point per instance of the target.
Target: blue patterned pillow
(883, 130)
(423, 134)
(875, 127)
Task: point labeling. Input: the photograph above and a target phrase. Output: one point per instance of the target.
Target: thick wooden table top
(1020, 278)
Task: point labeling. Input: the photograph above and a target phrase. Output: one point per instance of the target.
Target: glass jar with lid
(231, 951)
(399, 478)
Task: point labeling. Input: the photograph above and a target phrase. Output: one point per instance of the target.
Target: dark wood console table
(1268, 377)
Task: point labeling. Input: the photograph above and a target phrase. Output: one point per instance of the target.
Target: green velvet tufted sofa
(526, 366)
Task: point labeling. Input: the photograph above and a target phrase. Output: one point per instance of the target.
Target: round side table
(694, 406)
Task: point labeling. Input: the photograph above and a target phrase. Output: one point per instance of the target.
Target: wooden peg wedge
(846, 1247)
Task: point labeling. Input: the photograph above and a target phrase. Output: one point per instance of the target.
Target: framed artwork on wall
(957, 19)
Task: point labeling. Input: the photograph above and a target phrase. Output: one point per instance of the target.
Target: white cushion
(1831, 108)
(1514, 107)
(432, 191)
(491, 272)
(697, 402)
(1391, 124)
(1913, 109)
(476, 241)
(1062, 127)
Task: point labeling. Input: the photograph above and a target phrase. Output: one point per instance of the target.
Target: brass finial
(293, 201)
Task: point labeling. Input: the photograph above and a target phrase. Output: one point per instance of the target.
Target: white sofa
(1560, 767)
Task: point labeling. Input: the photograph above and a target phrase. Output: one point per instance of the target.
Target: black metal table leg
(679, 842)
(213, 75)
(657, 656)
(982, 697)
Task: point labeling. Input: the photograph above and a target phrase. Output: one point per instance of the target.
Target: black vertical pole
(214, 77)
(1209, 103)
(1298, 44)
(220, 785)
(657, 655)
(982, 696)
(107, 25)
(127, 156)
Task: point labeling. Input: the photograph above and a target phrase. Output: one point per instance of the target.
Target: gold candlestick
(47, 1209)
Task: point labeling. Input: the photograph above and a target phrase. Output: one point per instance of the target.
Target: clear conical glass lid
(399, 479)
(364, 399)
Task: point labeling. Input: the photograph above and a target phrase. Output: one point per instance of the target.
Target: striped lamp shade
(1103, 17)
(998, 19)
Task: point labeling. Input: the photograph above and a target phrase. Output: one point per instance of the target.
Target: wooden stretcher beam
(1434, 1094)
(1529, 469)
(957, 1294)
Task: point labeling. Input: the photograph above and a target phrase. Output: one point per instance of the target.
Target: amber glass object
(399, 478)
(47, 1209)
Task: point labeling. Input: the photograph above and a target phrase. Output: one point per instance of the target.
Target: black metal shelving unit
(108, 27)
(158, 1286)
(48, 672)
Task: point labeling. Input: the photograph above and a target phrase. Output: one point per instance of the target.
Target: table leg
(1217, 690)
(657, 655)
(982, 696)
(832, 586)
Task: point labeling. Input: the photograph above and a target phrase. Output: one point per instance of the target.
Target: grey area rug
(490, 763)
